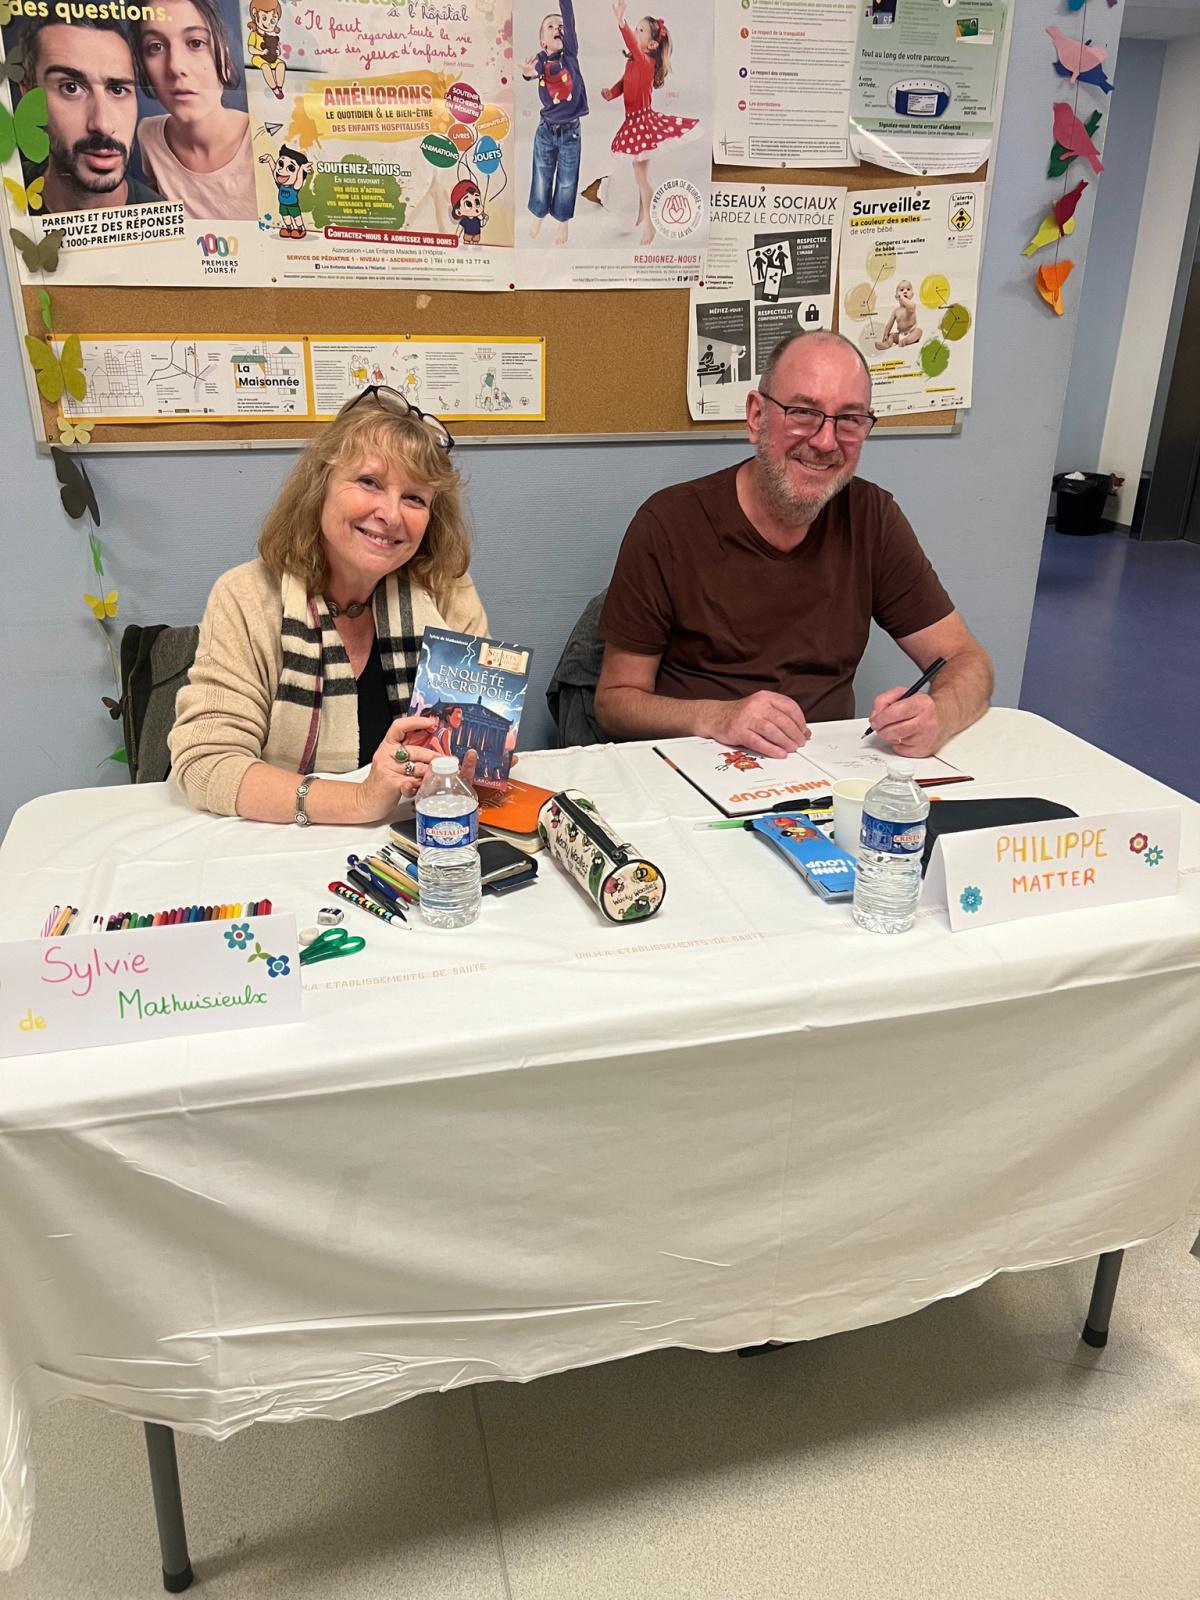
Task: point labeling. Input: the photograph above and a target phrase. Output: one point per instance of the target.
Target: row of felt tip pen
(126, 921)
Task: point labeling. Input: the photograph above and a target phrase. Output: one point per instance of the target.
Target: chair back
(155, 662)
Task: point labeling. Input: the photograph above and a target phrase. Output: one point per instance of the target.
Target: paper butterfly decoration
(1075, 55)
(78, 496)
(1074, 137)
(103, 605)
(14, 64)
(1050, 280)
(25, 128)
(26, 199)
(74, 432)
(39, 255)
(56, 373)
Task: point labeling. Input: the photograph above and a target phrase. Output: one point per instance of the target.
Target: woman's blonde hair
(291, 540)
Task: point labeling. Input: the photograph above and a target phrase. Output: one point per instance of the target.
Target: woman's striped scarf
(316, 703)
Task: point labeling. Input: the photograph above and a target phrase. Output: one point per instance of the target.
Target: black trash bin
(1079, 503)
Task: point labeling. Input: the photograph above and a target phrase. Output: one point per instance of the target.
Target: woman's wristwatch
(302, 818)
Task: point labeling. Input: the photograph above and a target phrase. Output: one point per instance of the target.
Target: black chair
(155, 663)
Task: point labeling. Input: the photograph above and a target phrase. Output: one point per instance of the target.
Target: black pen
(927, 676)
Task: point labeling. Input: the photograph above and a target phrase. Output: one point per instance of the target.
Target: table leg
(168, 1507)
(1104, 1291)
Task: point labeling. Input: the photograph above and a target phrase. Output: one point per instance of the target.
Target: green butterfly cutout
(47, 314)
(25, 128)
(93, 542)
(56, 373)
(39, 255)
(78, 496)
(14, 62)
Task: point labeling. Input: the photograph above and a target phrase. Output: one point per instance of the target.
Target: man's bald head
(799, 343)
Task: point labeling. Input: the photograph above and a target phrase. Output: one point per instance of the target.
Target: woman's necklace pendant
(354, 609)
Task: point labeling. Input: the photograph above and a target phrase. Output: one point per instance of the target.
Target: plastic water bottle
(887, 884)
(448, 864)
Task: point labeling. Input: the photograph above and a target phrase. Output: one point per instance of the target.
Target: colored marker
(344, 892)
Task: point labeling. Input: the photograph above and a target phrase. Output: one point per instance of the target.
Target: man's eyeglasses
(392, 400)
(804, 421)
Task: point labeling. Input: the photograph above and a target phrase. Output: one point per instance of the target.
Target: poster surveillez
(264, 142)
(770, 272)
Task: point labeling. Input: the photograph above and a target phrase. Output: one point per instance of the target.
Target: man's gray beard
(782, 502)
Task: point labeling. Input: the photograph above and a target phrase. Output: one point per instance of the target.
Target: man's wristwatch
(302, 818)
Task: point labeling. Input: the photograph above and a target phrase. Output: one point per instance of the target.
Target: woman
(307, 656)
(199, 152)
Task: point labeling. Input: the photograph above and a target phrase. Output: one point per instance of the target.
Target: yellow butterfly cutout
(74, 432)
(26, 199)
(101, 608)
(56, 373)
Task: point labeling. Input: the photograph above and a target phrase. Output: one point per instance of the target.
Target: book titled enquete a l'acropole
(475, 687)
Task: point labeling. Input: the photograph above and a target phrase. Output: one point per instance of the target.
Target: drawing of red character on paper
(793, 828)
(466, 207)
(738, 761)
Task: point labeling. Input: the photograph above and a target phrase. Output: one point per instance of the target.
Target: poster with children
(909, 290)
(614, 140)
(261, 142)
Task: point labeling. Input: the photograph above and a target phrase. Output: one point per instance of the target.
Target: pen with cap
(926, 677)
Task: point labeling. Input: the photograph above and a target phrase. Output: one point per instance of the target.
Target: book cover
(739, 782)
(475, 687)
(815, 857)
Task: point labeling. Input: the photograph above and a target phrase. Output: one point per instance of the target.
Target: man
(86, 69)
(741, 602)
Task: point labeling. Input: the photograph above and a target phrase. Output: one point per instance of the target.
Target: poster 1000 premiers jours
(266, 142)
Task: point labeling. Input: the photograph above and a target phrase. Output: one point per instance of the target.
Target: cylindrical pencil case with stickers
(624, 885)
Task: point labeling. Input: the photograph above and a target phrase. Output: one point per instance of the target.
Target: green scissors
(331, 944)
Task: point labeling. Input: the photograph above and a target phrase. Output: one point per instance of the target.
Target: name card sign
(1026, 870)
(117, 988)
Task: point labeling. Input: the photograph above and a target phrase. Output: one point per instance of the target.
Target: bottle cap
(444, 766)
(900, 766)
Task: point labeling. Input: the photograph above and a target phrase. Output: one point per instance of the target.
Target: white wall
(1160, 240)
(549, 519)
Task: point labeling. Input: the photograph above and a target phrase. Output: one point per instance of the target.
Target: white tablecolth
(547, 1141)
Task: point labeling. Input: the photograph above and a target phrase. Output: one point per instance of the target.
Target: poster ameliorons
(249, 141)
(770, 272)
(783, 70)
(614, 140)
(927, 81)
(908, 292)
(138, 378)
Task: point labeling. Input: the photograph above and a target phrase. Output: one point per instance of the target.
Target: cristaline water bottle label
(447, 833)
(892, 838)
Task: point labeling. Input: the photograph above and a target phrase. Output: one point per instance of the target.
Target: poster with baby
(614, 139)
(908, 292)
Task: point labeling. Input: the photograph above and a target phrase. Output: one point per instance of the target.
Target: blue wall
(549, 518)
(1118, 200)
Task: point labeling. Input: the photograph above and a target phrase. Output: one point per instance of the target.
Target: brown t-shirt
(729, 614)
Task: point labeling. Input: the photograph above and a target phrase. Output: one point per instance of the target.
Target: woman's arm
(268, 794)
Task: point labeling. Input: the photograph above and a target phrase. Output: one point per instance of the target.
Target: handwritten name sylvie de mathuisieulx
(98, 972)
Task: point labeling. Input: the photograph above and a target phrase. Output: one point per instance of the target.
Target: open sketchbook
(740, 783)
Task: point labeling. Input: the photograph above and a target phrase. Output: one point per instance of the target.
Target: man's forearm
(639, 714)
(962, 691)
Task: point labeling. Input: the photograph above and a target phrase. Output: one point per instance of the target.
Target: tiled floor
(974, 1451)
(1114, 650)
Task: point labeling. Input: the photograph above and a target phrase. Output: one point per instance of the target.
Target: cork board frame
(634, 336)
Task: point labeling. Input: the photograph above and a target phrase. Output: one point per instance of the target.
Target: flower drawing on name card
(1153, 856)
(1138, 843)
(238, 937)
(277, 966)
(971, 899)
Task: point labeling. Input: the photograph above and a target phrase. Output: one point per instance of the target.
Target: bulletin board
(615, 358)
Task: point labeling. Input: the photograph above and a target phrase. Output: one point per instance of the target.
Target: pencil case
(625, 886)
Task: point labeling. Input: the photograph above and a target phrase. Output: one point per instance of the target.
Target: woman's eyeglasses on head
(392, 400)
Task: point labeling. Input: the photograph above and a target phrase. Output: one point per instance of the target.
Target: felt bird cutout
(1075, 55)
(1074, 137)
(1060, 157)
(1050, 280)
(1048, 232)
(25, 128)
(102, 605)
(54, 372)
(26, 199)
(1064, 209)
(1096, 76)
